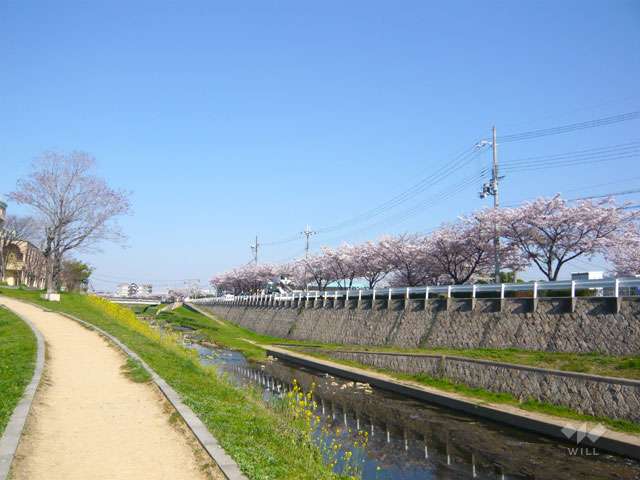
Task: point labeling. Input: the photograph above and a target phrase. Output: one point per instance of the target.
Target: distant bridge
(133, 300)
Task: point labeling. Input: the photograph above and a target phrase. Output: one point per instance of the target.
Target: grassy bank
(260, 440)
(232, 336)
(17, 361)
(222, 333)
(593, 363)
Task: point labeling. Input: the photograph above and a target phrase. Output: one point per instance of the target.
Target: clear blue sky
(231, 119)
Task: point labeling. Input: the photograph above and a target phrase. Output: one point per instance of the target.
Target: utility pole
(254, 249)
(492, 188)
(307, 232)
(496, 203)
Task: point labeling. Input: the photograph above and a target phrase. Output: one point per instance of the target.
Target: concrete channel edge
(13, 432)
(611, 441)
(227, 465)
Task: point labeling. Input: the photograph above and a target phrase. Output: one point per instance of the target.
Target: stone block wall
(592, 325)
(588, 394)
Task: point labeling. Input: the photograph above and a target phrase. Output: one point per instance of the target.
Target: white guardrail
(613, 287)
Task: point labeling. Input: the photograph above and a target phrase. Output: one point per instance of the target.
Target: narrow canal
(410, 440)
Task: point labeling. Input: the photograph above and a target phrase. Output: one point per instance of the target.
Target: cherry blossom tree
(546, 232)
(317, 270)
(550, 232)
(342, 264)
(250, 278)
(371, 264)
(461, 250)
(624, 254)
(465, 249)
(408, 258)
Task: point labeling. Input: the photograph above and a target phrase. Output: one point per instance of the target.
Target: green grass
(594, 363)
(260, 440)
(222, 333)
(17, 361)
(145, 309)
(134, 370)
(227, 334)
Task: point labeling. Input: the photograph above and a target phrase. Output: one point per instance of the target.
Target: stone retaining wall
(590, 325)
(589, 394)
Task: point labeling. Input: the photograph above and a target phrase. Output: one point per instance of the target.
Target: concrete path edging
(227, 465)
(13, 432)
(612, 441)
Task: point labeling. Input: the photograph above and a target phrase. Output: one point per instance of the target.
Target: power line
(123, 279)
(418, 208)
(572, 127)
(442, 173)
(605, 184)
(626, 100)
(605, 195)
(282, 241)
(430, 201)
(531, 163)
(434, 178)
(571, 163)
(584, 153)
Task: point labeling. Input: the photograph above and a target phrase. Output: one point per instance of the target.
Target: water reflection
(409, 440)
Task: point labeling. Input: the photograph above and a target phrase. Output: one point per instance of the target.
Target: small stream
(410, 440)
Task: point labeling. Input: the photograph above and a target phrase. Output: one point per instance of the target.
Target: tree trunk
(49, 282)
(1, 263)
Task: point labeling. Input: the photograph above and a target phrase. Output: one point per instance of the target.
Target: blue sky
(236, 118)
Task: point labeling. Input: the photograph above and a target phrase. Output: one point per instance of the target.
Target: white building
(127, 290)
(593, 275)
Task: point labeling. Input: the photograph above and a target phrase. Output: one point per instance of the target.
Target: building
(122, 290)
(593, 275)
(24, 263)
(146, 289)
(127, 290)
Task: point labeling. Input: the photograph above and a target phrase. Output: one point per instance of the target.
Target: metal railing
(612, 287)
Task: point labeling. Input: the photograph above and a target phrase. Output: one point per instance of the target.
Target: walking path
(90, 421)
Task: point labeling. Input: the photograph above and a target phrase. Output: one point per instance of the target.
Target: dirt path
(90, 421)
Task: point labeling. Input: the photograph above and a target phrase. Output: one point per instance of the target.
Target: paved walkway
(90, 421)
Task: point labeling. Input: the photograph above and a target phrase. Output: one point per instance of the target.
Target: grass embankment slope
(592, 363)
(222, 333)
(232, 336)
(260, 440)
(18, 348)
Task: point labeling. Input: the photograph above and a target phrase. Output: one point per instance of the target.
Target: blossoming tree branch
(546, 233)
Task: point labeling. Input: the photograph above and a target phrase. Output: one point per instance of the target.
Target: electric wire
(426, 183)
(442, 173)
(433, 200)
(572, 127)
(580, 157)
